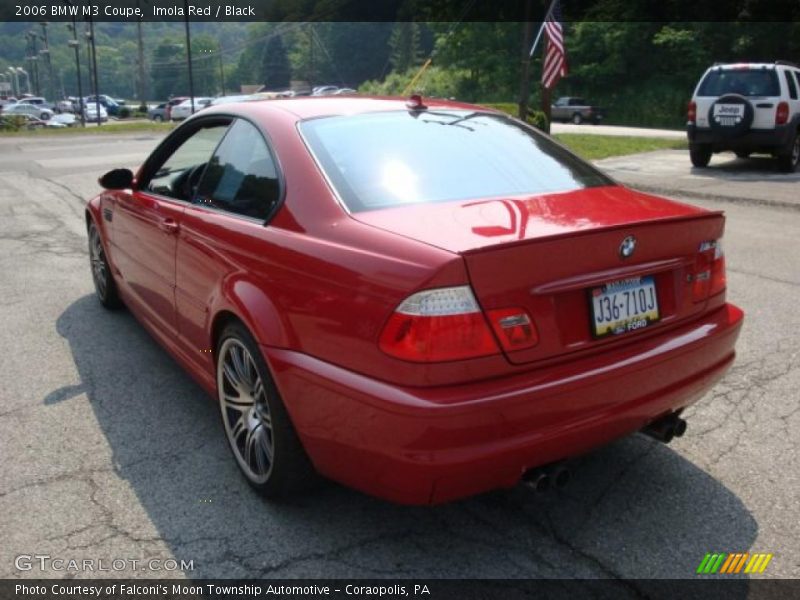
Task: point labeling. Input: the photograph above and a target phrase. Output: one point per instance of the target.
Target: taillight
(691, 112)
(438, 325)
(782, 114)
(709, 271)
(514, 328)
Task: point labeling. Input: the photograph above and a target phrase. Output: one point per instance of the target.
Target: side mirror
(117, 179)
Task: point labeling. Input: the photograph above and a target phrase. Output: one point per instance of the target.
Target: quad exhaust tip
(666, 428)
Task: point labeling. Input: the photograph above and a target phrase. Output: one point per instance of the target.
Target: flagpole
(541, 29)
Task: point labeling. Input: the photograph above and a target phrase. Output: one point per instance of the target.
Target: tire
(104, 285)
(158, 118)
(742, 154)
(788, 163)
(577, 119)
(260, 433)
(700, 154)
(44, 116)
(731, 126)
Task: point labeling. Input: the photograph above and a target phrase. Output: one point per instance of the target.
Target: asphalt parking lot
(110, 451)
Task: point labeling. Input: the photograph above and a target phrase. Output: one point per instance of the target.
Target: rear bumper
(766, 140)
(431, 445)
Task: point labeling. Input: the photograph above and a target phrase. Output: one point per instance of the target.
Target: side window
(791, 83)
(179, 173)
(241, 176)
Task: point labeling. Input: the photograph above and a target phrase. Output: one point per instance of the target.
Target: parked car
(344, 92)
(174, 102)
(91, 115)
(32, 122)
(230, 99)
(415, 323)
(324, 90)
(577, 110)
(184, 110)
(25, 108)
(157, 113)
(107, 102)
(38, 101)
(65, 106)
(746, 108)
(65, 119)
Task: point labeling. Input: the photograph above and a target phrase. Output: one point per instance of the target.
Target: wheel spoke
(258, 389)
(265, 441)
(239, 427)
(259, 451)
(238, 359)
(236, 402)
(232, 376)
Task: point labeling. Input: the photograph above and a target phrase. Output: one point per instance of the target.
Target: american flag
(555, 58)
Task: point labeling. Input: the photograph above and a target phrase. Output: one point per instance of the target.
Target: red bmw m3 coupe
(422, 300)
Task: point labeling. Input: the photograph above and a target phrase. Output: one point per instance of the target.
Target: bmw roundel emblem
(627, 247)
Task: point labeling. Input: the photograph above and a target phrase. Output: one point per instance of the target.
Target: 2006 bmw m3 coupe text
(420, 299)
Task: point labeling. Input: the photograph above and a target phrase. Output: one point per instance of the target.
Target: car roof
(312, 107)
(746, 65)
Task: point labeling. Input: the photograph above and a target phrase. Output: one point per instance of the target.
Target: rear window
(379, 160)
(746, 82)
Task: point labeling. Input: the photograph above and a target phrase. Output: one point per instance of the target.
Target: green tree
(275, 70)
(404, 45)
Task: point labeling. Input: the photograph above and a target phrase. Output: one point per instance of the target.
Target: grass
(91, 129)
(595, 147)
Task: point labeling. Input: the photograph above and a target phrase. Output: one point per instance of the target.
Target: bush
(536, 118)
(435, 83)
(124, 112)
(12, 122)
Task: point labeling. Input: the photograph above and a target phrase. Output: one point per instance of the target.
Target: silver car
(31, 110)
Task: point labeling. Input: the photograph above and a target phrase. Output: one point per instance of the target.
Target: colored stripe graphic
(703, 563)
(765, 563)
(720, 562)
(727, 564)
(741, 562)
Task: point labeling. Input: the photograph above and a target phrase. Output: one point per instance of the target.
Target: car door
(223, 233)
(146, 222)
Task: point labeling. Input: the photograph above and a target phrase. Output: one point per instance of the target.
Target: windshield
(750, 82)
(385, 159)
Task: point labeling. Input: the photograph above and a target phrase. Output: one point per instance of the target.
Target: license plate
(623, 306)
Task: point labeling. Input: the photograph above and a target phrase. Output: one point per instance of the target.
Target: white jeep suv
(746, 108)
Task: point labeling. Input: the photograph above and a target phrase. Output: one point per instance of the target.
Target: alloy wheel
(245, 410)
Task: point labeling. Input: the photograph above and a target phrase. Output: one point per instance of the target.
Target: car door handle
(169, 225)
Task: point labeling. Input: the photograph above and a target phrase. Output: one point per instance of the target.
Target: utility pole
(46, 52)
(88, 36)
(75, 45)
(525, 64)
(34, 60)
(311, 55)
(221, 70)
(94, 70)
(189, 53)
(142, 83)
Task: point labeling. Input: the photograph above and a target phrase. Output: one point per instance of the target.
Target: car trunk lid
(548, 254)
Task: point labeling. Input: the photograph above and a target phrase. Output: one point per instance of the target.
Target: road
(111, 451)
(589, 129)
